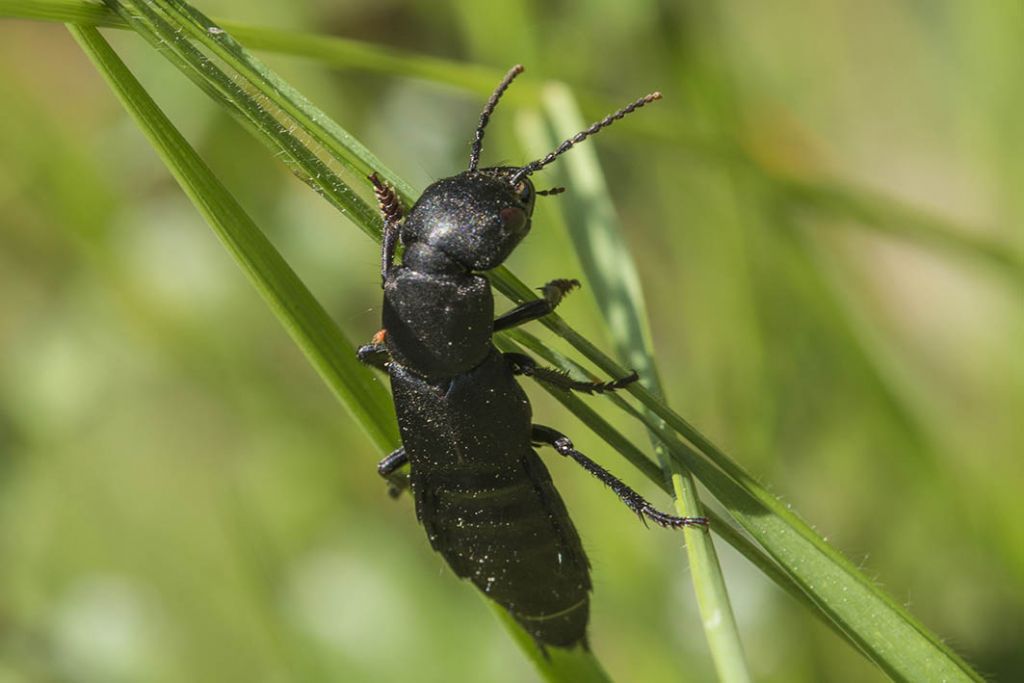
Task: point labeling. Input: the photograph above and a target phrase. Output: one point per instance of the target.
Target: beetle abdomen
(515, 542)
(486, 500)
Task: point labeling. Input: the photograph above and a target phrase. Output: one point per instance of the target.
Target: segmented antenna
(535, 166)
(485, 116)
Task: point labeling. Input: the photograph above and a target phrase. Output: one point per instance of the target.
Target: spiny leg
(521, 364)
(391, 213)
(553, 292)
(387, 468)
(633, 500)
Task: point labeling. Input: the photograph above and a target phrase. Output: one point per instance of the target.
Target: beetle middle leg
(521, 364)
(542, 435)
(553, 292)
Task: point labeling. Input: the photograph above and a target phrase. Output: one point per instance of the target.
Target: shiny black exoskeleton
(481, 492)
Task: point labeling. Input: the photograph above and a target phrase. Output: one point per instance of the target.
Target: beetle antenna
(485, 116)
(535, 166)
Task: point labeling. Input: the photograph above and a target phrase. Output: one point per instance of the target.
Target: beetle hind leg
(633, 500)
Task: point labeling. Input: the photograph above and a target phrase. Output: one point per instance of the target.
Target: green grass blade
(612, 275)
(883, 630)
(307, 322)
(329, 50)
(265, 117)
(324, 131)
(888, 634)
(869, 210)
(893, 639)
(556, 665)
(517, 340)
(356, 54)
(303, 317)
(60, 11)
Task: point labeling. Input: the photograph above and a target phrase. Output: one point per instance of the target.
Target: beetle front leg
(633, 500)
(391, 213)
(553, 292)
(521, 364)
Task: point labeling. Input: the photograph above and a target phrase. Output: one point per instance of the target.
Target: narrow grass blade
(612, 276)
(894, 639)
(303, 317)
(517, 340)
(886, 632)
(329, 50)
(313, 330)
(555, 665)
(869, 210)
(62, 11)
(883, 630)
(833, 589)
(325, 133)
(265, 117)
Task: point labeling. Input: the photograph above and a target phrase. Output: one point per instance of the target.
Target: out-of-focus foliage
(181, 498)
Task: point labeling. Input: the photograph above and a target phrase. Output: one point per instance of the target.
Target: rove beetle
(483, 495)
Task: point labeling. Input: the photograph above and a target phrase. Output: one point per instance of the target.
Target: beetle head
(476, 218)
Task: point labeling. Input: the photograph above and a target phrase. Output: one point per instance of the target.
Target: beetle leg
(375, 354)
(391, 214)
(521, 364)
(633, 500)
(392, 462)
(553, 292)
(387, 468)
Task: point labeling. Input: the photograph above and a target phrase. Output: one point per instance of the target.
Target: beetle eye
(513, 218)
(524, 191)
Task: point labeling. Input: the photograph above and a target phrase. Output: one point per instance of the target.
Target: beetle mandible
(481, 492)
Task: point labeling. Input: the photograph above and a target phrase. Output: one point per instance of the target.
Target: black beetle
(481, 492)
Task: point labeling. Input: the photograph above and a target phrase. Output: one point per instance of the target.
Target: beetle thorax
(438, 325)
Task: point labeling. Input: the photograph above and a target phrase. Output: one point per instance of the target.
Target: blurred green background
(826, 210)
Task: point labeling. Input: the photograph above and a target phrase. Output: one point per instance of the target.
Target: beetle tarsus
(556, 290)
